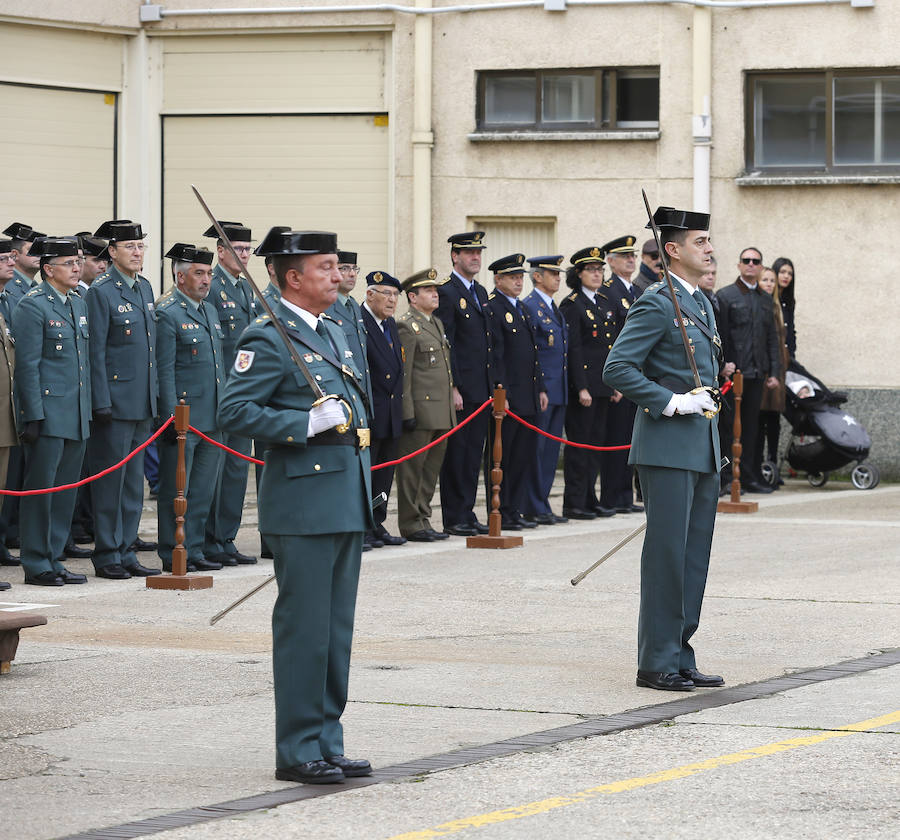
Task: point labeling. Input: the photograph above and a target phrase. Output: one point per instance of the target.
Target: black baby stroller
(824, 437)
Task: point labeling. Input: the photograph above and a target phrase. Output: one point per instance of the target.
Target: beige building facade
(538, 123)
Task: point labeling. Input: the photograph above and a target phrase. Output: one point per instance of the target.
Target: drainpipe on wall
(702, 96)
(422, 140)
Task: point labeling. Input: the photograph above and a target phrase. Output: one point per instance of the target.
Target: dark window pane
(510, 100)
(854, 120)
(567, 99)
(789, 122)
(890, 132)
(637, 100)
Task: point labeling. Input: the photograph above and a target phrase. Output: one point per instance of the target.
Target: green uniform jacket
(427, 381)
(53, 372)
(316, 489)
(18, 287)
(190, 359)
(234, 307)
(650, 350)
(123, 341)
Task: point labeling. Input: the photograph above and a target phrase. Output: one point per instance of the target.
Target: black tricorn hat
(93, 246)
(471, 239)
(669, 217)
(382, 278)
(552, 263)
(6, 245)
(622, 245)
(591, 254)
(235, 231)
(511, 264)
(285, 242)
(47, 247)
(347, 257)
(182, 252)
(120, 230)
(26, 233)
(428, 277)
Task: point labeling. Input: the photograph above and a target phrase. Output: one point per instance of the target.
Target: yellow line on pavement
(544, 805)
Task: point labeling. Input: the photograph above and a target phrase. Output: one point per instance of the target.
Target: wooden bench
(10, 625)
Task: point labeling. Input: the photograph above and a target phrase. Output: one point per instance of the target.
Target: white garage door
(58, 158)
(309, 172)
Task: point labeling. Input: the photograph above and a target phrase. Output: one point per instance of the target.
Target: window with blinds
(534, 236)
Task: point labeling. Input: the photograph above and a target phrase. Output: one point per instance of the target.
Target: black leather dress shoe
(350, 767)
(311, 773)
(701, 680)
(388, 539)
(143, 545)
(201, 564)
(630, 509)
(479, 528)
(525, 523)
(72, 577)
(664, 682)
(420, 536)
(76, 553)
(44, 579)
(578, 513)
(512, 525)
(366, 547)
(113, 571)
(603, 511)
(560, 520)
(372, 541)
(223, 559)
(463, 529)
(243, 559)
(137, 570)
(7, 559)
(436, 535)
(753, 487)
(4, 586)
(81, 537)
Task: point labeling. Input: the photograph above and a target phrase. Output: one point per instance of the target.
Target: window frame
(829, 76)
(605, 80)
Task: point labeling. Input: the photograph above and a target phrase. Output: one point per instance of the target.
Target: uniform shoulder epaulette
(262, 319)
(34, 292)
(573, 296)
(164, 298)
(328, 317)
(446, 280)
(608, 282)
(492, 295)
(655, 287)
(103, 278)
(405, 316)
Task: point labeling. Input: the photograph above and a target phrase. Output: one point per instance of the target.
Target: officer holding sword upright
(314, 497)
(675, 447)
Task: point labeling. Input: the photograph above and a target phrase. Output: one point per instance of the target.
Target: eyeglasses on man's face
(70, 264)
(344, 268)
(391, 293)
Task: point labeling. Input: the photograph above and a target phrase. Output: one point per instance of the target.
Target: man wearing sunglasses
(749, 341)
(651, 266)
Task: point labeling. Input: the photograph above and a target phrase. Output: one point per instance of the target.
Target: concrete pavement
(127, 705)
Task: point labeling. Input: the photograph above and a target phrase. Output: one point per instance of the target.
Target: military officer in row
(590, 316)
(8, 437)
(53, 387)
(232, 298)
(125, 390)
(675, 447)
(191, 367)
(314, 502)
(95, 252)
(616, 476)
(515, 368)
(385, 366)
(26, 263)
(427, 405)
(348, 315)
(461, 311)
(551, 337)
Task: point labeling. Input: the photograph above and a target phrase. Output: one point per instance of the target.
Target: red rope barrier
(228, 449)
(568, 442)
(91, 478)
(436, 441)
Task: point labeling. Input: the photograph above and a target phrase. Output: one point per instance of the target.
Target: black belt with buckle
(332, 437)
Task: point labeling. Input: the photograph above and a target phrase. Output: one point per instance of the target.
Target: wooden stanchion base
(487, 541)
(184, 582)
(737, 507)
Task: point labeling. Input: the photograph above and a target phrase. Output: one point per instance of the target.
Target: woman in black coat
(784, 273)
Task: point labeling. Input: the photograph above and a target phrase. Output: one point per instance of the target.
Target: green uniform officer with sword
(665, 360)
(292, 387)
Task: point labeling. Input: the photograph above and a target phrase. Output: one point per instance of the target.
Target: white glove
(324, 416)
(690, 403)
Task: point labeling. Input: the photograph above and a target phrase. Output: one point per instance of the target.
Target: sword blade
(581, 576)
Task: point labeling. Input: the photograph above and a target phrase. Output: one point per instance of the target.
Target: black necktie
(701, 301)
(4, 306)
(474, 290)
(555, 309)
(323, 334)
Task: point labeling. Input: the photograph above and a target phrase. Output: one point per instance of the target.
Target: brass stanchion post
(180, 579)
(493, 539)
(734, 504)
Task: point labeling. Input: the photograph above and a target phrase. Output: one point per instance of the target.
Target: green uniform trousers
(312, 631)
(417, 478)
(228, 504)
(681, 513)
(46, 519)
(202, 462)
